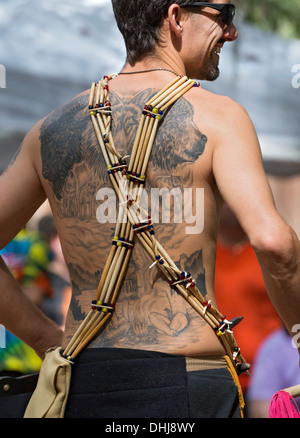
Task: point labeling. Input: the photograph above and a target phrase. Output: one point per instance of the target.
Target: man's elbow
(279, 246)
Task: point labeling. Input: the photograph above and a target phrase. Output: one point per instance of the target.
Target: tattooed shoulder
(61, 136)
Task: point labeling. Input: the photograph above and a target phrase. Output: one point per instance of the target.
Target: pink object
(283, 405)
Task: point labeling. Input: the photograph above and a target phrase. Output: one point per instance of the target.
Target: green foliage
(281, 16)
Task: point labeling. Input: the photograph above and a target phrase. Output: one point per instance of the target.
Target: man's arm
(21, 193)
(22, 318)
(239, 173)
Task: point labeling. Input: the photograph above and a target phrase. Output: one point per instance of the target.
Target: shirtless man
(205, 141)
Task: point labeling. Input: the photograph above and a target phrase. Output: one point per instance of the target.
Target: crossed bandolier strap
(128, 182)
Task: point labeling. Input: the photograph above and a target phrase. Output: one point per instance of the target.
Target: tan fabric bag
(51, 394)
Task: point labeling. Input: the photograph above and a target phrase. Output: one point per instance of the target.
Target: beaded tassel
(131, 179)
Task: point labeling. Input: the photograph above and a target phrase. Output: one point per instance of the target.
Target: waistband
(205, 363)
(191, 363)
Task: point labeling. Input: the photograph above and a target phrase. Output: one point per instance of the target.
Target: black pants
(124, 383)
(14, 402)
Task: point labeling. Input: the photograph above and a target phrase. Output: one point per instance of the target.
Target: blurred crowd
(36, 260)
(240, 291)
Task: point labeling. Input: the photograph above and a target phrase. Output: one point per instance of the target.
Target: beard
(210, 71)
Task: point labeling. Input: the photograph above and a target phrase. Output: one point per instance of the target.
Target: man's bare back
(149, 313)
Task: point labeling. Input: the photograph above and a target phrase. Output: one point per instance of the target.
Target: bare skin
(206, 141)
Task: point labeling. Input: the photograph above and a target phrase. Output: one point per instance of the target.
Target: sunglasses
(227, 10)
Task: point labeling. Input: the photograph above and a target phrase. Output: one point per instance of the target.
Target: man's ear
(176, 17)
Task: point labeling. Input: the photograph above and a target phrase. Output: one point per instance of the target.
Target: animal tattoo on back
(74, 167)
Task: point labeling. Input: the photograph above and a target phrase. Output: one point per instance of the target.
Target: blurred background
(53, 49)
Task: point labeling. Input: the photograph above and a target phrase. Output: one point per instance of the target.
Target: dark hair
(139, 21)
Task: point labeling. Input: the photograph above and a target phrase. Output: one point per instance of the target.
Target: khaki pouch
(51, 394)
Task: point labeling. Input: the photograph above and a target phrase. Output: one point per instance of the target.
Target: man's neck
(155, 63)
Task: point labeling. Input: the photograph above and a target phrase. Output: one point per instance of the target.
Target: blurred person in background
(28, 256)
(240, 289)
(35, 259)
(56, 305)
(275, 367)
(276, 363)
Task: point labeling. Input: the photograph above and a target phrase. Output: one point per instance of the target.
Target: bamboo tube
(152, 100)
(294, 391)
(115, 272)
(91, 98)
(169, 90)
(111, 142)
(100, 140)
(109, 274)
(169, 98)
(120, 279)
(104, 273)
(77, 334)
(141, 142)
(98, 94)
(85, 327)
(179, 94)
(84, 343)
(145, 147)
(136, 142)
(148, 152)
